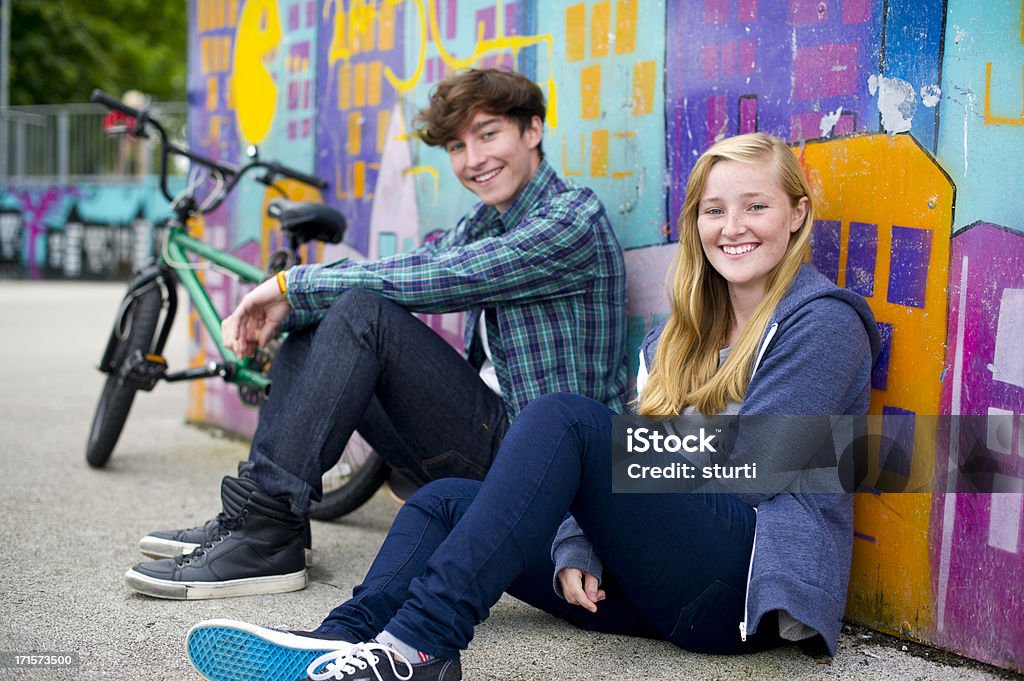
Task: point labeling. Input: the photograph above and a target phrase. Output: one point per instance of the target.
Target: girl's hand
(580, 588)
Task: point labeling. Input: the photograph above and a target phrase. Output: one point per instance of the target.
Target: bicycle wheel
(138, 329)
(352, 482)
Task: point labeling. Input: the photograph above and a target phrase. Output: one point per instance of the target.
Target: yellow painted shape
(374, 83)
(590, 92)
(211, 93)
(383, 121)
(354, 136)
(432, 173)
(386, 26)
(359, 179)
(645, 73)
(600, 28)
(599, 153)
(1001, 120)
(889, 180)
(573, 172)
(294, 191)
(575, 32)
(233, 13)
(254, 90)
(359, 85)
(625, 26)
(204, 55)
(345, 86)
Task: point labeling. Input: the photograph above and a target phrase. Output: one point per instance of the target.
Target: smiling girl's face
(745, 219)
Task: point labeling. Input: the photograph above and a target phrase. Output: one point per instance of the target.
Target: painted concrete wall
(78, 231)
(907, 116)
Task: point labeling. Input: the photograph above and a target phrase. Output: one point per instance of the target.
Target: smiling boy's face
(493, 159)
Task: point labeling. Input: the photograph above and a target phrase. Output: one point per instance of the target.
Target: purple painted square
(728, 59)
(486, 17)
(716, 11)
(825, 71)
(748, 57)
(825, 247)
(746, 11)
(897, 450)
(908, 266)
(512, 13)
(294, 12)
(861, 253)
(718, 118)
(709, 62)
(748, 114)
(880, 371)
(856, 11)
(806, 12)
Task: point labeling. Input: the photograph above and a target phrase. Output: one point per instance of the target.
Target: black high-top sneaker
(256, 549)
(174, 543)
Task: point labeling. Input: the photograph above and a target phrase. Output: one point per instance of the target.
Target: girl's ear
(799, 213)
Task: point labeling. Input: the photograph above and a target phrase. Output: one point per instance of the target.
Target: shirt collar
(534, 190)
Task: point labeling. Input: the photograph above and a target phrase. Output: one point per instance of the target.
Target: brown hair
(455, 100)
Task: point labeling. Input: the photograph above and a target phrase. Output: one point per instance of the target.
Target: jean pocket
(710, 622)
(452, 464)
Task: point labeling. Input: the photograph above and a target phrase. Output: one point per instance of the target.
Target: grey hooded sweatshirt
(815, 359)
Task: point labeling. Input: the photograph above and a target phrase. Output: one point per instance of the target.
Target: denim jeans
(675, 564)
(370, 366)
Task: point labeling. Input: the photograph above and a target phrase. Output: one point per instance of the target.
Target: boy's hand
(257, 319)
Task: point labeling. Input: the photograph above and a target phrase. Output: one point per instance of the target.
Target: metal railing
(68, 143)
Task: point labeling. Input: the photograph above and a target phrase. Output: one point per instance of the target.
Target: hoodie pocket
(708, 622)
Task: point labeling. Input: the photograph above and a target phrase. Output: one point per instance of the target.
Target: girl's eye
(758, 206)
(713, 211)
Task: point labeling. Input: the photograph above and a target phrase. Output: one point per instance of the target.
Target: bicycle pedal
(143, 372)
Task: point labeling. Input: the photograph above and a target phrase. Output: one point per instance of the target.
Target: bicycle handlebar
(230, 173)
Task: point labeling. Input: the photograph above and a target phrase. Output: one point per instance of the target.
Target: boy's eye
(454, 147)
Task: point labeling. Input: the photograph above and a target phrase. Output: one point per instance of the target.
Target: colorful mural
(908, 118)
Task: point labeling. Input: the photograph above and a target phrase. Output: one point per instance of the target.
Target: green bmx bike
(133, 358)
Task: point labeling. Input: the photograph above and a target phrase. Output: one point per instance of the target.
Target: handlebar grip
(113, 103)
(311, 180)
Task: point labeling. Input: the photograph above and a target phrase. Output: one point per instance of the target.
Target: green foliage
(61, 50)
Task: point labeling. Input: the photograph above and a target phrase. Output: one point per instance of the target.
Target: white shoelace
(341, 663)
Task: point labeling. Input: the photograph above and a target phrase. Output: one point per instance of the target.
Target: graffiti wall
(908, 118)
(80, 231)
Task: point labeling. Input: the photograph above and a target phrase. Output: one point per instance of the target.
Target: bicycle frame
(175, 256)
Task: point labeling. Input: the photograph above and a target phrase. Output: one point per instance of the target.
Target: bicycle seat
(305, 221)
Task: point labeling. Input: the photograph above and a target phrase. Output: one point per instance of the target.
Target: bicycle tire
(116, 399)
(360, 473)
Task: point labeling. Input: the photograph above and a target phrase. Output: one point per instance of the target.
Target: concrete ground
(69, 532)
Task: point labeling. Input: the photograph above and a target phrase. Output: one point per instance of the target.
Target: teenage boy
(539, 273)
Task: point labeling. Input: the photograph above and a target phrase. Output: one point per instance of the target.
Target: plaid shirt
(548, 274)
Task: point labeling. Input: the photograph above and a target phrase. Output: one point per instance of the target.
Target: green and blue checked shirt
(548, 273)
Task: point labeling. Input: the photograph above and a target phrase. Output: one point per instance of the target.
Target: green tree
(60, 51)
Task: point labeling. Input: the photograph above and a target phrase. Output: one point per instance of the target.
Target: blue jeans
(372, 367)
(675, 565)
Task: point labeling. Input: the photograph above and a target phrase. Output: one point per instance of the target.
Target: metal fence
(68, 143)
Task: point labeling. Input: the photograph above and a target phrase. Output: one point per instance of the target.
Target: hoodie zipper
(746, 594)
(753, 546)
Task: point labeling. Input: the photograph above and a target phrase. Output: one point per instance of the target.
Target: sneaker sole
(155, 547)
(227, 650)
(194, 591)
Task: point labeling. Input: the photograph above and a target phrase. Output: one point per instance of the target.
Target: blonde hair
(685, 370)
